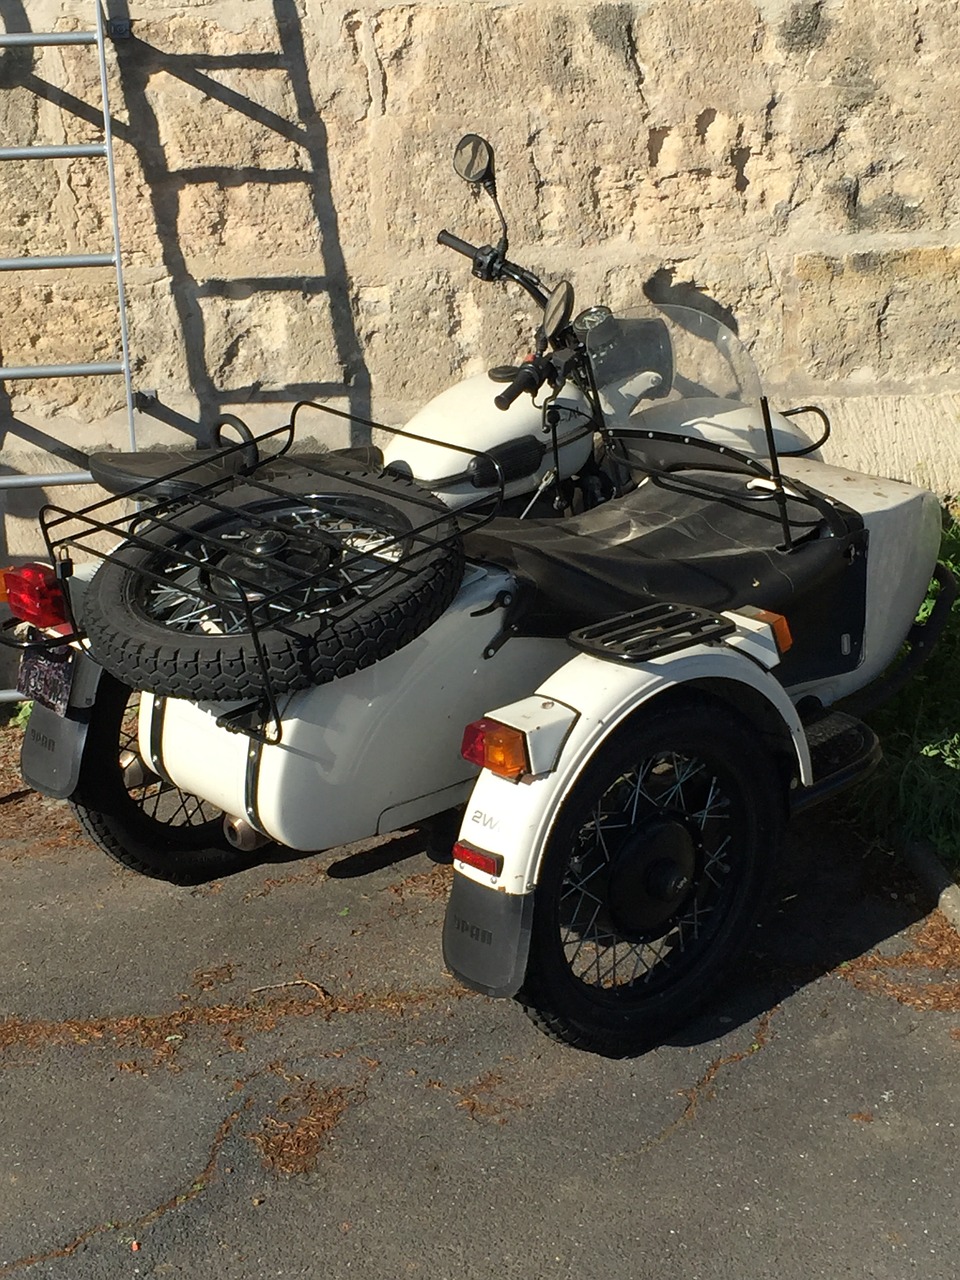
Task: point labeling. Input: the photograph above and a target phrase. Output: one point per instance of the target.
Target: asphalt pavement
(273, 1076)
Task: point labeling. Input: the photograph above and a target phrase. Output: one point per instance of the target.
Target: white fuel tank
(463, 422)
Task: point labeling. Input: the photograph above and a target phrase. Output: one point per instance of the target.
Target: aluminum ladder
(104, 150)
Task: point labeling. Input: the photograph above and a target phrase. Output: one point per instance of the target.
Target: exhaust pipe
(242, 836)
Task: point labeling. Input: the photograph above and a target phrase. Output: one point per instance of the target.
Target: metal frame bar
(66, 260)
(31, 39)
(54, 478)
(18, 373)
(115, 219)
(65, 151)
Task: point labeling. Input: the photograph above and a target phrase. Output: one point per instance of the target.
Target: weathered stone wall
(285, 165)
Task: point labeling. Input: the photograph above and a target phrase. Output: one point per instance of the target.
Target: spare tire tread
(144, 654)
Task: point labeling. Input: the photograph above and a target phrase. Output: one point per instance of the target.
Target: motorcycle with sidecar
(619, 609)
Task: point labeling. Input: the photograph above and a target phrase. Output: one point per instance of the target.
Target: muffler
(242, 836)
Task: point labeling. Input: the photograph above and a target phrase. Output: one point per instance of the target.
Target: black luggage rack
(118, 529)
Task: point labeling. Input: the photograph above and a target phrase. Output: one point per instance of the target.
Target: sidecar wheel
(279, 586)
(136, 818)
(652, 879)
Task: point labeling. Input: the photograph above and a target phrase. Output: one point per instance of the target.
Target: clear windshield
(662, 353)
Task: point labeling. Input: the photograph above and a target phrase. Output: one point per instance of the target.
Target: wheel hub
(256, 569)
(651, 877)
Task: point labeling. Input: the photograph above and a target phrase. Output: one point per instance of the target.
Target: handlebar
(529, 377)
(490, 264)
(454, 242)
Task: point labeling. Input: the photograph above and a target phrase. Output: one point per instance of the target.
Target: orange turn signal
(777, 624)
(496, 747)
(780, 628)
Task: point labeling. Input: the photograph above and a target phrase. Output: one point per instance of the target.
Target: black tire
(394, 561)
(652, 879)
(143, 822)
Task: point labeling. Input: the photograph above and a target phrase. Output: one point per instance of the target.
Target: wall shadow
(138, 62)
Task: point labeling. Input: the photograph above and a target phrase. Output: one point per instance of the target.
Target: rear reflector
(34, 595)
(496, 747)
(491, 863)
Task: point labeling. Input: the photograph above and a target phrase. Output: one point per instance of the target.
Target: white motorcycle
(636, 585)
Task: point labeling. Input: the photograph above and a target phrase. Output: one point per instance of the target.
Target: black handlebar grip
(529, 378)
(454, 242)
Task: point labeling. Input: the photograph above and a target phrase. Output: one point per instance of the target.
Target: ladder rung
(32, 39)
(53, 153)
(14, 373)
(44, 481)
(61, 260)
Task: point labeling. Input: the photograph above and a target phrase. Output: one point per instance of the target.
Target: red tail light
(491, 863)
(35, 595)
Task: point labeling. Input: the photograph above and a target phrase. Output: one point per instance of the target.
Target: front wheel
(651, 879)
(138, 819)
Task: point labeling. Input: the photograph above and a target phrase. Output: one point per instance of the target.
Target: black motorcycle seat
(156, 471)
(670, 541)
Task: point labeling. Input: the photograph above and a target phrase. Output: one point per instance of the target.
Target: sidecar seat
(670, 540)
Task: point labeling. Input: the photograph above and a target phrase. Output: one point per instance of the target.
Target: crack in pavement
(194, 1188)
(701, 1090)
(287, 1147)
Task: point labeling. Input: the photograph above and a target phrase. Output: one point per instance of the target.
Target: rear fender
(486, 946)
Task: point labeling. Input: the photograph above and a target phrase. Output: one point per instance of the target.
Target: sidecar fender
(574, 711)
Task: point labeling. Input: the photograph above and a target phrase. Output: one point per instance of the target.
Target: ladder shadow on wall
(195, 299)
(138, 63)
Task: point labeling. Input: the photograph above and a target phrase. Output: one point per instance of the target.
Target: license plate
(46, 675)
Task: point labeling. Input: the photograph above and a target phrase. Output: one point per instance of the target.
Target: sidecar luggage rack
(651, 632)
(221, 581)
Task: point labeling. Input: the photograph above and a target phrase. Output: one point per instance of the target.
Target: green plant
(916, 791)
(21, 715)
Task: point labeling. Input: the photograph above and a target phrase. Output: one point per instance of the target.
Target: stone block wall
(284, 166)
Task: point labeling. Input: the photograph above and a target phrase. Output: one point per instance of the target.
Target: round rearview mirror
(558, 310)
(473, 159)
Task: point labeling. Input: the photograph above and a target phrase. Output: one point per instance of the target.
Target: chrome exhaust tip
(242, 836)
(134, 772)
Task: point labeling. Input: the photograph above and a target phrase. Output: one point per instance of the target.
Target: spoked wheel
(135, 817)
(233, 597)
(651, 880)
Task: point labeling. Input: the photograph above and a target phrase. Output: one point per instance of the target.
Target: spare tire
(273, 586)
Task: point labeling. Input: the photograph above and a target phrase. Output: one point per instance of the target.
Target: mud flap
(486, 937)
(53, 744)
(52, 750)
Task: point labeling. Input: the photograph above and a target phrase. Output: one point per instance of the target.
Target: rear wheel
(135, 817)
(652, 879)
